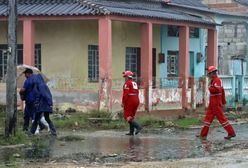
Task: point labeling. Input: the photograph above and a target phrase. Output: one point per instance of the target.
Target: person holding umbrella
(43, 105)
(38, 96)
(28, 94)
(130, 102)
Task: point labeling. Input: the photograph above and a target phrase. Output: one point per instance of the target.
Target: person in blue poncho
(28, 94)
(42, 102)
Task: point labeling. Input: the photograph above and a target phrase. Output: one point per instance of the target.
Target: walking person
(216, 104)
(38, 100)
(28, 94)
(130, 102)
(43, 105)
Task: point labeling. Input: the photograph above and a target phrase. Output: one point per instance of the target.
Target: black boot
(131, 127)
(137, 127)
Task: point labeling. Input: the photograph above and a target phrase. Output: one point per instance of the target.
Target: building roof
(143, 8)
(198, 6)
(192, 3)
(131, 8)
(243, 2)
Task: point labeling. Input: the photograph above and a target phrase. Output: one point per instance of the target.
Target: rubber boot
(230, 131)
(137, 127)
(131, 129)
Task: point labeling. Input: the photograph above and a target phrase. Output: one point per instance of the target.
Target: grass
(100, 120)
(187, 122)
(89, 121)
(82, 121)
(2, 118)
(74, 121)
(151, 121)
(77, 120)
(19, 138)
(156, 122)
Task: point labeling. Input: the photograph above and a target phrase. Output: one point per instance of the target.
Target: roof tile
(135, 8)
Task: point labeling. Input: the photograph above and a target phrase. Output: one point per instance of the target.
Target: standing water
(115, 146)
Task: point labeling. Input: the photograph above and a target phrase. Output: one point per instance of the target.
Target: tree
(11, 96)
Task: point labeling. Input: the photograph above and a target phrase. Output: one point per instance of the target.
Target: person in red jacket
(215, 106)
(130, 102)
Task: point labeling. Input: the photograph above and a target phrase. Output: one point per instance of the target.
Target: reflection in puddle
(110, 149)
(134, 150)
(113, 146)
(41, 148)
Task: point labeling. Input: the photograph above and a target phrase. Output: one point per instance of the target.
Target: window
(93, 63)
(173, 31)
(194, 33)
(3, 62)
(133, 62)
(37, 58)
(172, 63)
(19, 59)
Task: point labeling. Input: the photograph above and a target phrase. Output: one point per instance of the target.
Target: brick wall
(216, 1)
(231, 36)
(227, 5)
(232, 40)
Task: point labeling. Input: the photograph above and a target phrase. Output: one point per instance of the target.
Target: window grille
(172, 63)
(93, 63)
(132, 59)
(19, 59)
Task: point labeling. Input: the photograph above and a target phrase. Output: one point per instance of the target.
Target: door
(238, 88)
(192, 64)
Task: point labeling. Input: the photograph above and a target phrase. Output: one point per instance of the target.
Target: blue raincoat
(30, 97)
(44, 100)
(30, 92)
(43, 103)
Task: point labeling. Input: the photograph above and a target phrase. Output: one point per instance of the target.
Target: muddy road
(160, 147)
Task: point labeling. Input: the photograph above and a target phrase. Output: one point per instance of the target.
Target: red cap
(211, 69)
(127, 74)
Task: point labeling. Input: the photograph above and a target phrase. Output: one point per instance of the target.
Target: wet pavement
(114, 146)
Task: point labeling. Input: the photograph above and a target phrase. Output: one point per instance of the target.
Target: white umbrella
(21, 76)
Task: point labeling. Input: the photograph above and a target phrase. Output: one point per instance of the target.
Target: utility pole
(11, 97)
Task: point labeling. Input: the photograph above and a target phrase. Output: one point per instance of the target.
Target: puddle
(114, 146)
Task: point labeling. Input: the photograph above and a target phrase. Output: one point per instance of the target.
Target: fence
(166, 92)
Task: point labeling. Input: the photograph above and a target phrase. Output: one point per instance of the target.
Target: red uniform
(130, 99)
(215, 108)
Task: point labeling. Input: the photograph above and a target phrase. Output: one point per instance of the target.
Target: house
(83, 47)
(232, 47)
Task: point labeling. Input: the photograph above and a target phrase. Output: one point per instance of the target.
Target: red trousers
(130, 107)
(216, 111)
